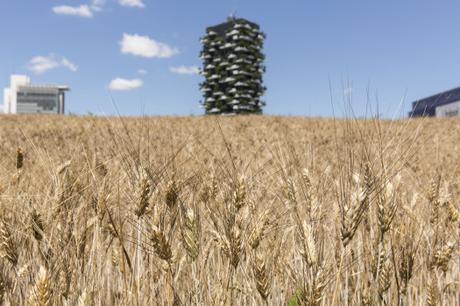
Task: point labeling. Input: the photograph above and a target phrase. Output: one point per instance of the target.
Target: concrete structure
(24, 97)
(448, 110)
(444, 104)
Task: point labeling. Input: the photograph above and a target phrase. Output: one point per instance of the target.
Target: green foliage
(233, 68)
(295, 298)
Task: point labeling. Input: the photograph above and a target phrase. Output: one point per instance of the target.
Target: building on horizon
(444, 104)
(233, 68)
(24, 97)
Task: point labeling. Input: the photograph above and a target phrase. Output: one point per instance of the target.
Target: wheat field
(252, 210)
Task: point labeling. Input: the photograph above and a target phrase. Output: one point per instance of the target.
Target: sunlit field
(251, 210)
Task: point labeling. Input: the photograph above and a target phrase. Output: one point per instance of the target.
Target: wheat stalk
(191, 232)
(37, 224)
(143, 193)
(19, 158)
(8, 247)
(43, 288)
(161, 245)
(261, 277)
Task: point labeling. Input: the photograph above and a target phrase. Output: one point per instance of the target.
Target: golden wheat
(229, 211)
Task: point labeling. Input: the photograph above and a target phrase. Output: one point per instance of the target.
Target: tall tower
(233, 67)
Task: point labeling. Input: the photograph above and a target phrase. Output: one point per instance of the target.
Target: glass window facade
(38, 100)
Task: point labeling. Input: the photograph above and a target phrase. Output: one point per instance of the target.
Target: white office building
(24, 97)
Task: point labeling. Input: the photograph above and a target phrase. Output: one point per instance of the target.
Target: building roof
(221, 28)
(427, 106)
(44, 86)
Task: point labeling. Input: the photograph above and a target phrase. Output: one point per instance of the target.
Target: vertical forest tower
(233, 67)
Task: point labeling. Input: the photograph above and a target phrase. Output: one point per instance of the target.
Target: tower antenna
(232, 15)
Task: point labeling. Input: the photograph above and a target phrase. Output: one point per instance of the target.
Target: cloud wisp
(145, 46)
(185, 70)
(97, 5)
(80, 11)
(132, 3)
(40, 64)
(121, 84)
(84, 10)
(94, 6)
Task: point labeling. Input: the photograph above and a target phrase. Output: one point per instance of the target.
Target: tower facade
(233, 66)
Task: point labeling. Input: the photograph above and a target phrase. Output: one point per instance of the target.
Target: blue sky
(390, 50)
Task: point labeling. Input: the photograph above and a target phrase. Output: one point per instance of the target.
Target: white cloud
(97, 5)
(84, 10)
(80, 11)
(66, 63)
(142, 71)
(145, 46)
(124, 84)
(132, 3)
(190, 70)
(40, 64)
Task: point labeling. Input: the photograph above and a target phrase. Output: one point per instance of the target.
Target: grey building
(444, 104)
